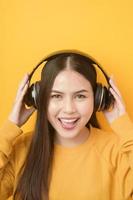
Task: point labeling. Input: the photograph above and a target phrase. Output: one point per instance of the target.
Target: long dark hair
(35, 174)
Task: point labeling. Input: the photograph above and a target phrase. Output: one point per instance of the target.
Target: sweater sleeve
(122, 156)
(123, 127)
(8, 133)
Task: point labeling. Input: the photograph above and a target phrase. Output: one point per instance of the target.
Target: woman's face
(71, 104)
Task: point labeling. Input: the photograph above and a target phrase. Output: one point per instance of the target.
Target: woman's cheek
(54, 106)
(86, 109)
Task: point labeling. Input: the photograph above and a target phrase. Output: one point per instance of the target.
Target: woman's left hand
(119, 106)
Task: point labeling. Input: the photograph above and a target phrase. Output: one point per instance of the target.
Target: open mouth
(68, 123)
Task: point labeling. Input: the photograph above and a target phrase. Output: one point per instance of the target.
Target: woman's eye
(56, 96)
(80, 96)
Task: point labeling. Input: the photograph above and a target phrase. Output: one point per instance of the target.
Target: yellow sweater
(101, 168)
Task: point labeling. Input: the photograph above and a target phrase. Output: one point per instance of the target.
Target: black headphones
(103, 98)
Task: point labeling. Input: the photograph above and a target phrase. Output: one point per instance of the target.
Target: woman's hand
(20, 114)
(119, 107)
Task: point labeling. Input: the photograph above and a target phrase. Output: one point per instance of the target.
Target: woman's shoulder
(120, 129)
(104, 133)
(23, 140)
(20, 149)
(104, 139)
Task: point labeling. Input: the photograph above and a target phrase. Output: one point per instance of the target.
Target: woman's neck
(71, 142)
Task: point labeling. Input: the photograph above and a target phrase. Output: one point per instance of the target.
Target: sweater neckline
(86, 144)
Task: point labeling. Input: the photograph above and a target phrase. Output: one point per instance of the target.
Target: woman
(68, 156)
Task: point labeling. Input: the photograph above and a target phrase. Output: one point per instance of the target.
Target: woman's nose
(69, 106)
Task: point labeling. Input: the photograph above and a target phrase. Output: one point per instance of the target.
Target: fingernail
(112, 76)
(27, 76)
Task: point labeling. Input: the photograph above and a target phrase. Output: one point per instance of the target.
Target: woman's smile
(68, 123)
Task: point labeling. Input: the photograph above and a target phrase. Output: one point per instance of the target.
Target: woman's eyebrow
(79, 91)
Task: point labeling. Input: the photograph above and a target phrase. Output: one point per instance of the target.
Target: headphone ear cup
(31, 96)
(103, 98)
(97, 98)
(109, 99)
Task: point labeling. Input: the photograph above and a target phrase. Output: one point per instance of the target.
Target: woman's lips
(68, 123)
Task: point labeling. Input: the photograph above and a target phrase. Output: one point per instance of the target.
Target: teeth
(68, 124)
(68, 120)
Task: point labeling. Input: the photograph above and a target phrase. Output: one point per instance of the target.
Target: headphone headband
(68, 52)
(103, 97)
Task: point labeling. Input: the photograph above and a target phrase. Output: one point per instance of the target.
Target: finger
(24, 81)
(21, 94)
(114, 87)
(22, 84)
(117, 97)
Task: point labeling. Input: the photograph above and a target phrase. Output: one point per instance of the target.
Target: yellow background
(32, 29)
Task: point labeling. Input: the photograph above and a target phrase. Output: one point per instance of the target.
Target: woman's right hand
(20, 113)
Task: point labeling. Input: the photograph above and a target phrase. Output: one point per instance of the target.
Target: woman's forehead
(72, 80)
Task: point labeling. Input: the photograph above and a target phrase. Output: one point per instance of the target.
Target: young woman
(68, 156)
